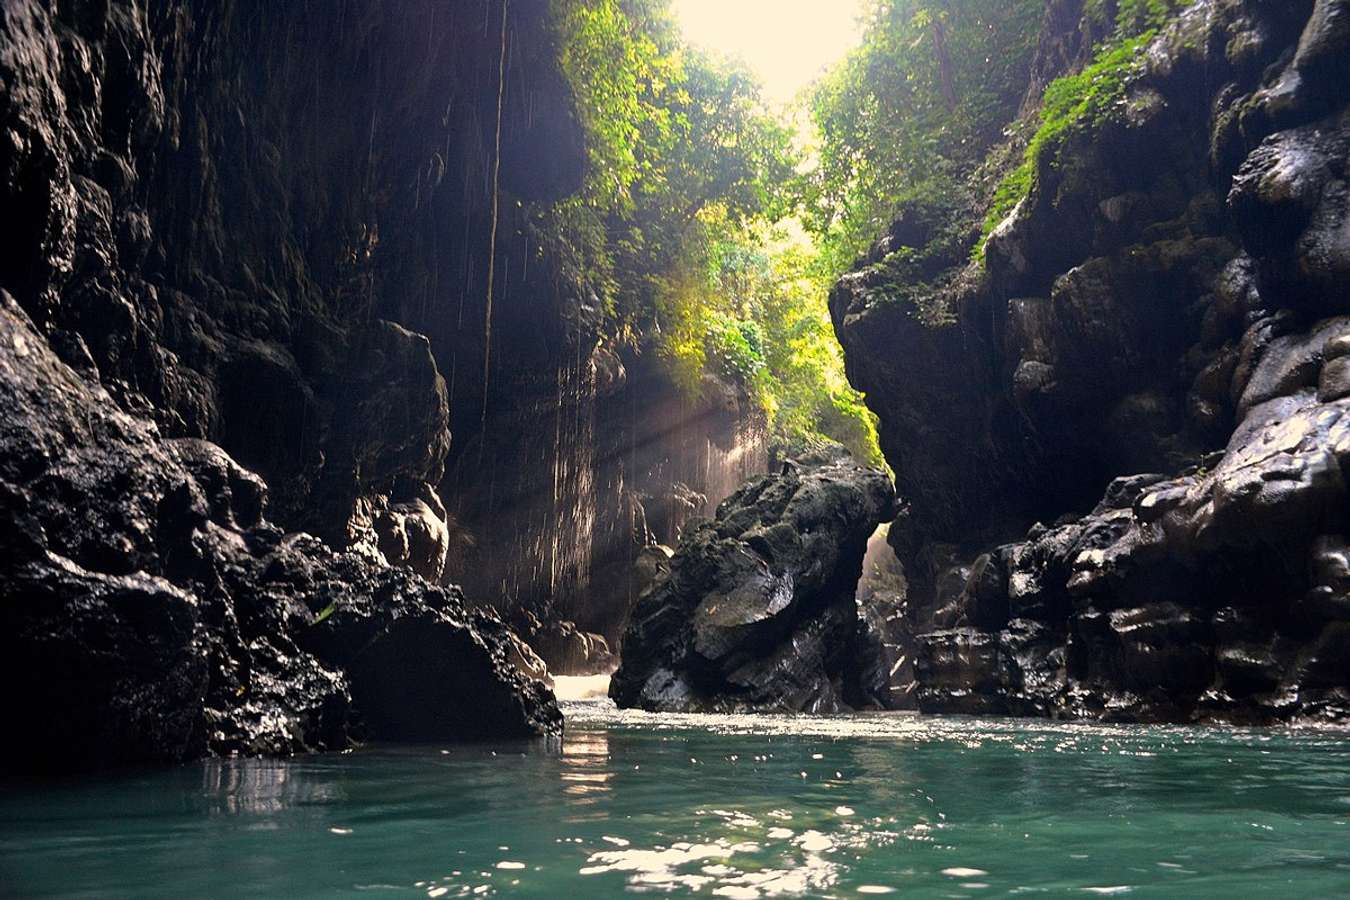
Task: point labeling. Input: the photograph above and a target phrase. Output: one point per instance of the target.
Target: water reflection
(734, 806)
(586, 773)
(744, 855)
(730, 869)
(764, 849)
(261, 786)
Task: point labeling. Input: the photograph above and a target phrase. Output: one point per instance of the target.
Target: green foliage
(809, 395)
(1014, 186)
(911, 111)
(1084, 100)
(682, 154)
(736, 347)
(616, 53)
(755, 314)
(784, 347)
(686, 170)
(573, 237)
(1134, 17)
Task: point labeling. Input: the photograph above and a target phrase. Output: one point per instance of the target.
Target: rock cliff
(153, 613)
(1161, 321)
(258, 238)
(270, 226)
(254, 235)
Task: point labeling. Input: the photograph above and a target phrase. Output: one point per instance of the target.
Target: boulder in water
(757, 610)
(152, 613)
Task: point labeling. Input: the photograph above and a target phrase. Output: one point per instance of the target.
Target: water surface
(868, 805)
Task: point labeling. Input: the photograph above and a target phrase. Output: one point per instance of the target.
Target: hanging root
(492, 235)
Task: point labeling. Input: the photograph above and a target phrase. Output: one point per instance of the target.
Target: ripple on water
(1025, 735)
(768, 861)
(892, 804)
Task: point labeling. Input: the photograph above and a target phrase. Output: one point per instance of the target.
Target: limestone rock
(758, 610)
(152, 613)
(1163, 317)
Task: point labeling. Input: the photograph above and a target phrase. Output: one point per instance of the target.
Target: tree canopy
(911, 111)
(676, 230)
(711, 228)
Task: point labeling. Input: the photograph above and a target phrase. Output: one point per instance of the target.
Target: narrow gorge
(247, 301)
(784, 453)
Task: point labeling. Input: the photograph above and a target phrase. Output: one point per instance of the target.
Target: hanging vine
(492, 234)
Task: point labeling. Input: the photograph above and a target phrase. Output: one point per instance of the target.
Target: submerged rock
(757, 609)
(152, 613)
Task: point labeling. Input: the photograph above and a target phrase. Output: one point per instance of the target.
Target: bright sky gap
(786, 43)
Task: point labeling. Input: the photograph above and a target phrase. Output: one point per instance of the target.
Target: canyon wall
(277, 227)
(1122, 448)
(248, 255)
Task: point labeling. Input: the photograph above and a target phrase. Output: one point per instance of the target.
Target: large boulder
(152, 613)
(757, 609)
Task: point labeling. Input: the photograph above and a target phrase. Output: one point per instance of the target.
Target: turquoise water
(717, 807)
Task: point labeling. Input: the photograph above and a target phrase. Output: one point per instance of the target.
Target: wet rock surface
(1213, 594)
(1162, 321)
(229, 224)
(756, 609)
(152, 613)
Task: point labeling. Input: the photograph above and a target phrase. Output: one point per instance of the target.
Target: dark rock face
(757, 609)
(268, 226)
(253, 235)
(202, 203)
(1169, 300)
(152, 613)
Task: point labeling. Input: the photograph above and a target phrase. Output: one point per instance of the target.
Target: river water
(746, 806)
